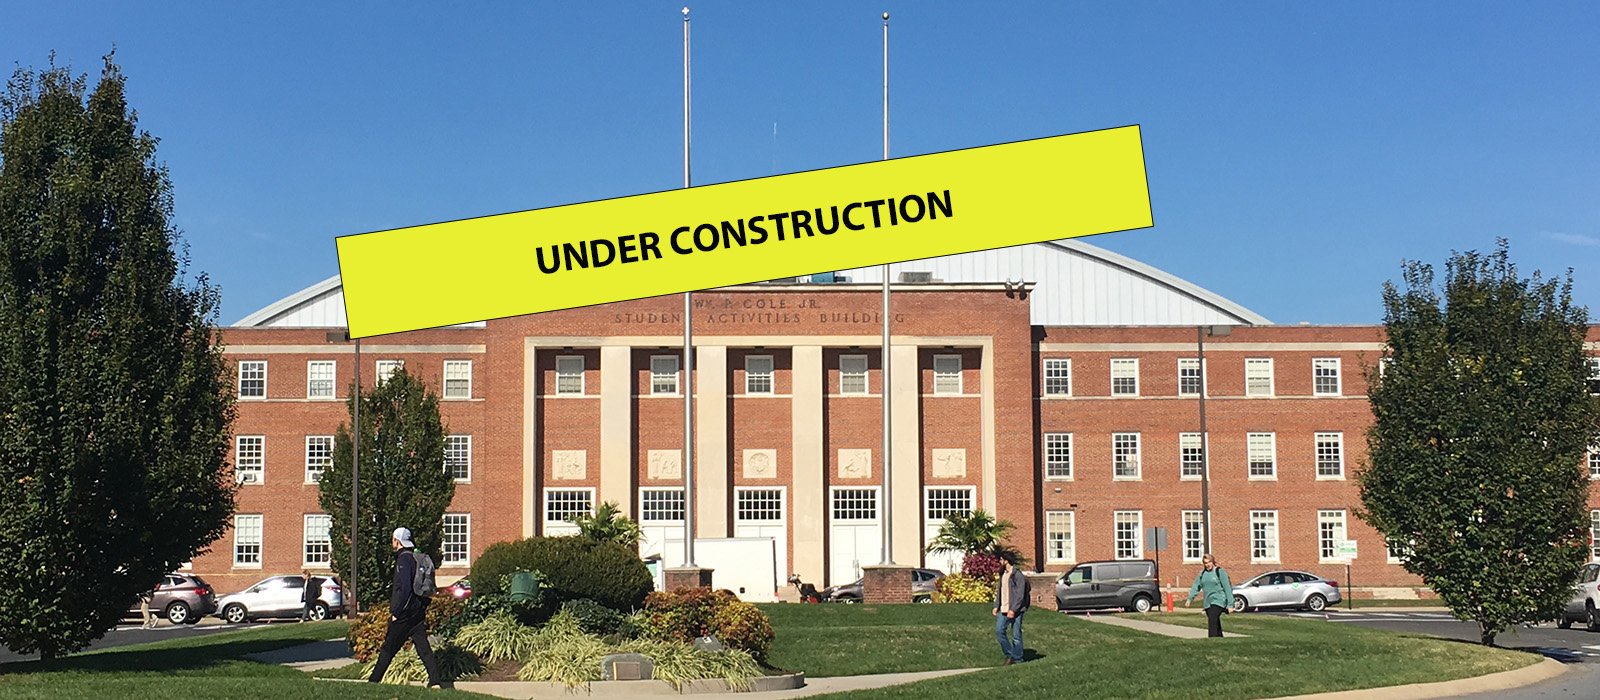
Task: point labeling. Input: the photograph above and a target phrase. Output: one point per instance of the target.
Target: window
(1594, 534)
(855, 504)
(1258, 377)
(946, 374)
(318, 544)
(940, 504)
(661, 505)
(1125, 455)
(250, 458)
(319, 379)
(758, 374)
(1125, 377)
(1396, 551)
(1058, 545)
(385, 368)
(1194, 535)
(1058, 377)
(1058, 455)
(457, 539)
(1330, 532)
(458, 379)
(253, 380)
(1262, 449)
(569, 375)
(247, 540)
(1191, 456)
(1264, 536)
(1330, 455)
(1189, 377)
(1594, 375)
(319, 456)
(562, 505)
(853, 375)
(1325, 376)
(458, 457)
(1129, 534)
(1594, 462)
(758, 505)
(663, 374)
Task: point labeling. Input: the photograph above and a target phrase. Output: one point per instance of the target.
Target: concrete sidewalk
(315, 656)
(813, 686)
(1154, 627)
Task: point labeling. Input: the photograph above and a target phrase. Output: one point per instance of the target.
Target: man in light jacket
(407, 615)
(1011, 600)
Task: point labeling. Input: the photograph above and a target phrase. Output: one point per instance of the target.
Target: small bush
(689, 613)
(365, 636)
(564, 654)
(574, 568)
(455, 664)
(982, 565)
(595, 618)
(499, 638)
(965, 588)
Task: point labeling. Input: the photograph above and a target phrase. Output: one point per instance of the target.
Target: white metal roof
(1076, 284)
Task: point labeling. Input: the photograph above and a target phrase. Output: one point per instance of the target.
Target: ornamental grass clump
(678, 663)
(455, 664)
(562, 653)
(499, 637)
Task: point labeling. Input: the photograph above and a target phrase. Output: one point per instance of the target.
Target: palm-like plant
(608, 524)
(972, 533)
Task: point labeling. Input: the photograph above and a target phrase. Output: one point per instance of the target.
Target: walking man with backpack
(408, 609)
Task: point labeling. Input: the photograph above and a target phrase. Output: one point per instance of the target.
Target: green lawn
(1070, 656)
(207, 666)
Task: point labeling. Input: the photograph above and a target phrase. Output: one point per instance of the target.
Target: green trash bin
(524, 587)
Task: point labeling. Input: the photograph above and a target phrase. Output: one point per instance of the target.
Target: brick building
(1068, 404)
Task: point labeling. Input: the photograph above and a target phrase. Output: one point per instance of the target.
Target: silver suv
(278, 596)
(924, 583)
(1584, 599)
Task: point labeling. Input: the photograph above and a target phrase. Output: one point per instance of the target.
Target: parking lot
(129, 632)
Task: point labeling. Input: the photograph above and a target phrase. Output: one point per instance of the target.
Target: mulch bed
(500, 671)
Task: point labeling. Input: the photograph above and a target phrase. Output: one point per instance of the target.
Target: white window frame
(1335, 523)
(946, 375)
(927, 501)
(458, 364)
(1319, 364)
(465, 559)
(569, 359)
(1389, 552)
(1594, 375)
(1594, 463)
(1062, 366)
(1252, 441)
(1192, 364)
(1337, 440)
(740, 515)
(449, 468)
(753, 374)
(1267, 552)
(313, 473)
(877, 504)
(563, 525)
(250, 367)
(1196, 518)
(660, 377)
(1117, 520)
(1125, 364)
(1116, 463)
(332, 367)
(643, 511)
(1069, 545)
(259, 528)
(1187, 441)
(1258, 369)
(259, 468)
(1065, 438)
(1594, 533)
(383, 369)
(306, 542)
(865, 374)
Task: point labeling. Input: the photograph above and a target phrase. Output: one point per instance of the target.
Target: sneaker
(1009, 661)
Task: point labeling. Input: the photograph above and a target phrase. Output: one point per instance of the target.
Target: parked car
(181, 598)
(924, 582)
(1286, 589)
(278, 596)
(1584, 599)
(460, 590)
(1096, 585)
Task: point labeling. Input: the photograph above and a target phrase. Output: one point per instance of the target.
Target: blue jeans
(1003, 625)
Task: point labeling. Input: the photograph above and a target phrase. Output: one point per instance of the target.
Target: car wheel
(1591, 620)
(193, 620)
(319, 611)
(1239, 604)
(848, 600)
(178, 612)
(234, 614)
(1316, 603)
(923, 599)
(1564, 622)
(1141, 604)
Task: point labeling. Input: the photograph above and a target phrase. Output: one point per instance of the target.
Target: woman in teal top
(1218, 591)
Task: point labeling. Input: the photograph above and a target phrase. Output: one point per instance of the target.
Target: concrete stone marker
(627, 667)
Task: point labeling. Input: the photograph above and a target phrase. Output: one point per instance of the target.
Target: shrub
(365, 636)
(498, 638)
(982, 565)
(564, 654)
(689, 613)
(595, 618)
(574, 568)
(455, 664)
(965, 588)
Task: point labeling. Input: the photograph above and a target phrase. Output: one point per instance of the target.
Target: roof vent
(916, 277)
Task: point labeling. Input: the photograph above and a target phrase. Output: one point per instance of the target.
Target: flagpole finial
(685, 12)
(885, 16)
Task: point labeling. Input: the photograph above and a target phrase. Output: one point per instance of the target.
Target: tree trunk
(1486, 633)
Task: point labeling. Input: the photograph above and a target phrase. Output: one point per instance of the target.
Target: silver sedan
(1286, 589)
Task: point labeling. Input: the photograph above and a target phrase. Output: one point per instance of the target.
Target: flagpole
(888, 461)
(688, 342)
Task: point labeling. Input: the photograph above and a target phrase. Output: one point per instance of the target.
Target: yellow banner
(742, 232)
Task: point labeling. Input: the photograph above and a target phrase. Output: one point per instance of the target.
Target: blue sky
(1297, 152)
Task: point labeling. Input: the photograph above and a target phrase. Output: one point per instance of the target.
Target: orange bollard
(1169, 601)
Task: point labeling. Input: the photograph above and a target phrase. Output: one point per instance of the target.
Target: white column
(808, 521)
(907, 408)
(711, 442)
(616, 427)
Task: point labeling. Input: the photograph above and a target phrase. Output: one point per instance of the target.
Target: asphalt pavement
(131, 633)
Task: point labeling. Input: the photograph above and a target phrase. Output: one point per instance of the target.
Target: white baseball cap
(404, 535)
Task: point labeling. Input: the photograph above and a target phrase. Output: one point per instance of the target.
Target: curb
(1504, 680)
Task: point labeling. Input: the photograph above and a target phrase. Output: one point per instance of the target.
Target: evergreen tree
(115, 401)
(403, 481)
(1482, 418)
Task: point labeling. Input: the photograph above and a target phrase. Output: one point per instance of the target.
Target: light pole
(688, 342)
(1205, 463)
(888, 426)
(355, 476)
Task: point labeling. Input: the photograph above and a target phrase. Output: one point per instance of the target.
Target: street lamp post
(1205, 462)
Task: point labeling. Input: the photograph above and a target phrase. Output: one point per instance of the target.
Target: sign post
(1156, 537)
(1347, 552)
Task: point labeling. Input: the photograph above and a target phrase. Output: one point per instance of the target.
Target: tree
(403, 481)
(974, 533)
(1482, 418)
(608, 524)
(115, 401)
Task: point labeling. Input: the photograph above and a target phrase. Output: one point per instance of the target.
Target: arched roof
(1076, 284)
